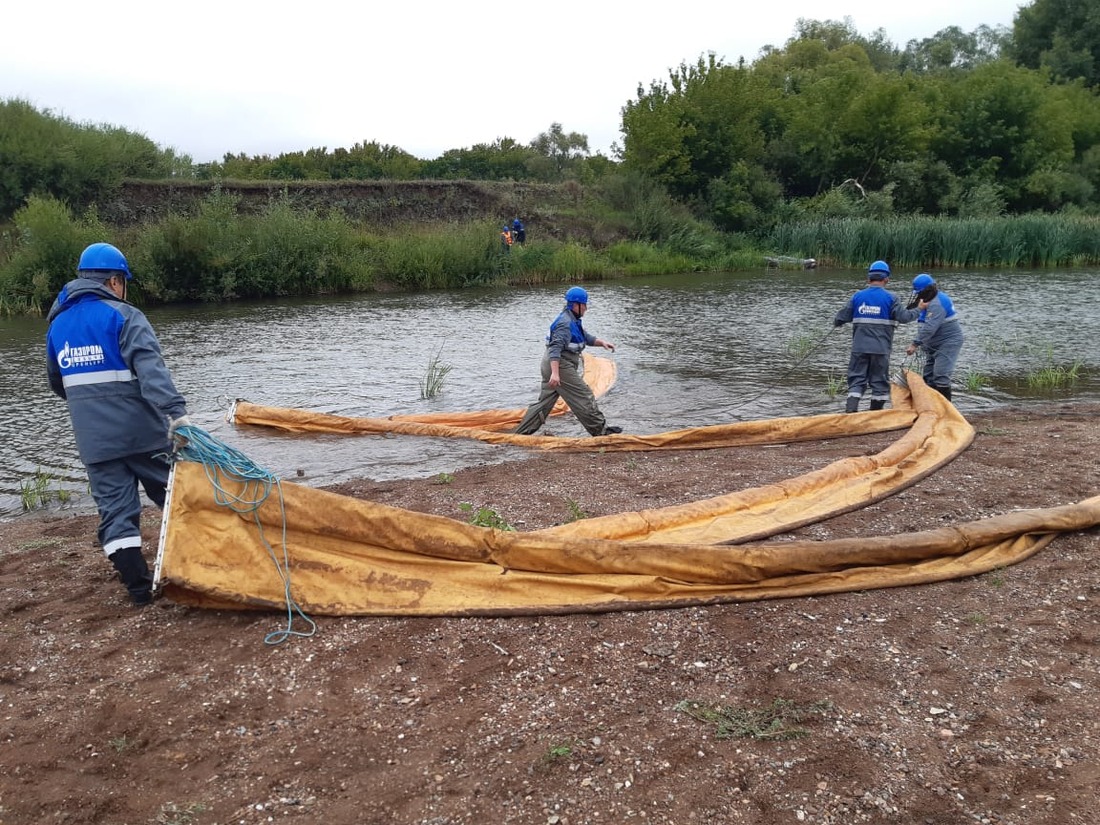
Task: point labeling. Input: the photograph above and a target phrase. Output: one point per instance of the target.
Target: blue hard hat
(576, 295)
(921, 281)
(879, 268)
(103, 257)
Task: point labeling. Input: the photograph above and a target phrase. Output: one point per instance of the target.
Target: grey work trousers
(577, 394)
(115, 490)
(869, 371)
(940, 356)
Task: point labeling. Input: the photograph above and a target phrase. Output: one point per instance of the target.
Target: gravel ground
(971, 701)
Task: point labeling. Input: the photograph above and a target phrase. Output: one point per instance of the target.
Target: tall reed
(1025, 241)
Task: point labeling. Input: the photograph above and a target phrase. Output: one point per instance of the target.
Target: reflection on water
(691, 350)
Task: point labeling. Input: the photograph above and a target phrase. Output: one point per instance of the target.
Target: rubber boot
(944, 391)
(877, 405)
(135, 575)
(852, 404)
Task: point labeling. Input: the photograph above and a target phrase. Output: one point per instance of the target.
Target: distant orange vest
(506, 237)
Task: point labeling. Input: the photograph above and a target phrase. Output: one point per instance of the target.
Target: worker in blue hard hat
(561, 370)
(939, 334)
(105, 361)
(874, 314)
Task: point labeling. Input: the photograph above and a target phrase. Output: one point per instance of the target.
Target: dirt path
(972, 701)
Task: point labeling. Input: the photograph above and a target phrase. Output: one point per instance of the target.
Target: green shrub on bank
(48, 244)
(218, 254)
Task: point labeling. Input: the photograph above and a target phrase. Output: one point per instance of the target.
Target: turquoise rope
(220, 461)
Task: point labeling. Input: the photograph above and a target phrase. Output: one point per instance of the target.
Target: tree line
(833, 124)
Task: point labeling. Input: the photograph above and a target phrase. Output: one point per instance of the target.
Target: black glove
(926, 295)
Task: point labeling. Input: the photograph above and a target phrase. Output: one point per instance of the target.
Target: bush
(49, 243)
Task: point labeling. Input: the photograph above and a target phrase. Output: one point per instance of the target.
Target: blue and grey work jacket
(874, 314)
(567, 336)
(104, 359)
(938, 323)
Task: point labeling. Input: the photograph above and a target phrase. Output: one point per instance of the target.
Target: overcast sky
(207, 78)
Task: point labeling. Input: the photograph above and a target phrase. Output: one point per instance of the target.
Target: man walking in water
(561, 374)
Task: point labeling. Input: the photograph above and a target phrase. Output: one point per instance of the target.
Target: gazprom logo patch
(79, 357)
(869, 309)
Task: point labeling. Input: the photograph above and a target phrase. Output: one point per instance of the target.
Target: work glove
(174, 425)
(926, 295)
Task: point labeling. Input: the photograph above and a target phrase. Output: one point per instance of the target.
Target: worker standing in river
(561, 371)
(874, 315)
(939, 334)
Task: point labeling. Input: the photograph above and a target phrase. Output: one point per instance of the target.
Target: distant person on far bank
(519, 231)
(104, 359)
(939, 334)
(506, 239)
(561, 371)
(874, 315)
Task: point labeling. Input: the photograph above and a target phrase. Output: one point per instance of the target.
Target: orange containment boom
(352, 557)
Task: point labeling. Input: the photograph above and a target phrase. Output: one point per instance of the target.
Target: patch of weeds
(120, 743)
(445, 478)
(1054, 377)
(173, 814)
(38, 544)
(989, 429)
(801, 345)
(561, 750)
(996, 578)
(576, 513)
(977, 619)
(484, 517)
(431, 384)
(975, 380)
(776, 722)
(35, 492)
(632, 464)
(835, 384)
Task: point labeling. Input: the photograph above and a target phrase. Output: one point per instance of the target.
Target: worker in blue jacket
(561, 371)
(939, 334)
(874, 315)
(105, 361)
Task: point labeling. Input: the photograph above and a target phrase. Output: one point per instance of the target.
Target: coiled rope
(223, 463)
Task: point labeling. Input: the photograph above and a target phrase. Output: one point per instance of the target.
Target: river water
(692, 349)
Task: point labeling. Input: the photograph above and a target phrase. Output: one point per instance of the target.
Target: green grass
(576, 512)
(484, 517)
(431, 385)
(1037, 241)
(558, 751)
(835, 384)
(974, 380)
(445, 478)
(801, 345)
(172, 813)
(777, 721)
(1054, 376)
(35, 492)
